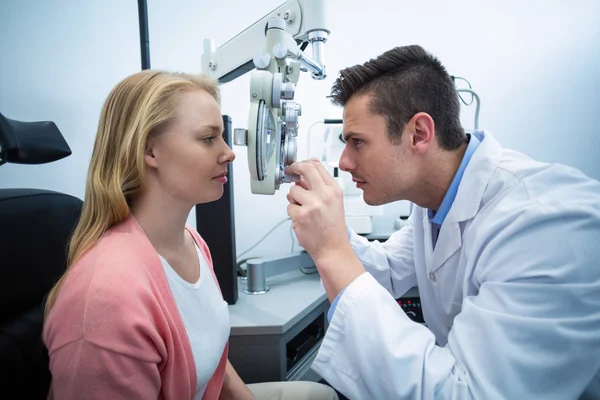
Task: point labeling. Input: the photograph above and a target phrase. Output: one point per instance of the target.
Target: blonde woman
(138, 313)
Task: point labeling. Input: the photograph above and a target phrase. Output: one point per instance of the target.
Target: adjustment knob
(262, 59)
(287, 91)
(280, 51)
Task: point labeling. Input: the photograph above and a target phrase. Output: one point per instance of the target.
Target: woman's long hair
(140, 106)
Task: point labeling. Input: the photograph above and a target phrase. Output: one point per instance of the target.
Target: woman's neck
(163, 219)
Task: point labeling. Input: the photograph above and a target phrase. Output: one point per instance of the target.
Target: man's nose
(346, 163)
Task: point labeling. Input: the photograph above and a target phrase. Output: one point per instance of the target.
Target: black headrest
(31, 142)
(35, 227)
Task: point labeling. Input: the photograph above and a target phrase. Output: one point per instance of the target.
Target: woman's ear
(149, 153)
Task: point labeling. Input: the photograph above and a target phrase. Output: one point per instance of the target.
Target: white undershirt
(205, 317)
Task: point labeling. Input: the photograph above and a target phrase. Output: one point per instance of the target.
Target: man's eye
(209, 139)
(357, 141)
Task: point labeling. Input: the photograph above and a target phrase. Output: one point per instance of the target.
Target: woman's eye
(209, 139)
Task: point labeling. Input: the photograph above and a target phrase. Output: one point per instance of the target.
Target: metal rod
(314, 67)
(260, 269)
(477, 106)
(144, 36)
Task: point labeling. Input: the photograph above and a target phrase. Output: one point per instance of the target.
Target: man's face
(382, 169)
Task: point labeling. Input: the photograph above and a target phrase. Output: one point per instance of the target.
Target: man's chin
(372, 201)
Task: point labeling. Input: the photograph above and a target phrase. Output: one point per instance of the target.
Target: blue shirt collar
(438, 217)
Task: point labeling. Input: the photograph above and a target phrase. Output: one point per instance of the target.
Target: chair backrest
(35, 227)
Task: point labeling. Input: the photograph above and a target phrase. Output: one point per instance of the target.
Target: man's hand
(317, 210)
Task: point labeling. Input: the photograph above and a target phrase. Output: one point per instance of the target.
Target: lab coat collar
(477, 175)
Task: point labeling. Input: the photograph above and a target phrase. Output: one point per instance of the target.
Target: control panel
(412, 307)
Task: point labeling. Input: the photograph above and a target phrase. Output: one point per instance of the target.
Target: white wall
(58, 61)
(535, 65)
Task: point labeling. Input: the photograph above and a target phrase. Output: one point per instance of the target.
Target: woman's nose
(228, 156)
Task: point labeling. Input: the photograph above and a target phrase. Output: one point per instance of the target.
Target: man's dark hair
(403, 82)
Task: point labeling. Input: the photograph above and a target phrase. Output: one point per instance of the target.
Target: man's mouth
(359, 183)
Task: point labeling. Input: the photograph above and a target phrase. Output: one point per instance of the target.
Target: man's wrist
(338, 268)
(329, 254)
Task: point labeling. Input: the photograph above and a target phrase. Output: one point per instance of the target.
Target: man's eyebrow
(347, 136)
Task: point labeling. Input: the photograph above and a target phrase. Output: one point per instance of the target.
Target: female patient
(139, 314)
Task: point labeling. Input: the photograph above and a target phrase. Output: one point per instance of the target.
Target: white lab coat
(510, 294)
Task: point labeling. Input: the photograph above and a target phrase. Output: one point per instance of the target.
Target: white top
(510, 294)
(205, 316)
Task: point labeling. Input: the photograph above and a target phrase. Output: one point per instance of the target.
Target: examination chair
(35, 226)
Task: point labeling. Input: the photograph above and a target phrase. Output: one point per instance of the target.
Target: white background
(535, 65)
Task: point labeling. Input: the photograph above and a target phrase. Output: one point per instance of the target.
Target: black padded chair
(35, 227)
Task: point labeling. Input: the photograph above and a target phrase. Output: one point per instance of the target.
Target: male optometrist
(505, 251)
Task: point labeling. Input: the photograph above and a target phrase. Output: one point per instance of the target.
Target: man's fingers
(299, 195)
(291, 200)
(327, 178)
(308, 171)
(292, 210)
(302, 183)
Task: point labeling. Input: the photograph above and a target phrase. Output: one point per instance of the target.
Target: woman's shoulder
(115, 257)
(114, 273)
(109, 287)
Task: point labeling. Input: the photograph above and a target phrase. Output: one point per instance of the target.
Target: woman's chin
(213, 196)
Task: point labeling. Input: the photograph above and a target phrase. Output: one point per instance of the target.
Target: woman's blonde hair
(140, 106)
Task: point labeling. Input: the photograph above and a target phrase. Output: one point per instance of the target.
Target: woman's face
(189, 159)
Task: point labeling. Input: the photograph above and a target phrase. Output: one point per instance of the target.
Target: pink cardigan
(115, 331)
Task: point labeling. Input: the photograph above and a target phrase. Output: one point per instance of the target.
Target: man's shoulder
(526, 199)
(523, 182)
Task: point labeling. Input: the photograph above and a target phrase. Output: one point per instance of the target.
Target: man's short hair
(403, 82)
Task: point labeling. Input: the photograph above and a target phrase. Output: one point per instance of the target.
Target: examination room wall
(534, 64)
(59, 59)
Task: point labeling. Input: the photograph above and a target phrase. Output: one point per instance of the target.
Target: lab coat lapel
(428, 248)
(449, 242)
(482, 165)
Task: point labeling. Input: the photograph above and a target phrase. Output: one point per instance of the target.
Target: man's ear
(149, 156)
(422, 130)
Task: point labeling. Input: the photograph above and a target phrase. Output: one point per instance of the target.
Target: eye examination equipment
(274, 337)
(274, 46)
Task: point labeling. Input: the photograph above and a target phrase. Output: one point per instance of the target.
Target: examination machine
(273, 337)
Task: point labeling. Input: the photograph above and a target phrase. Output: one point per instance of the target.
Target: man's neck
(436, 181)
